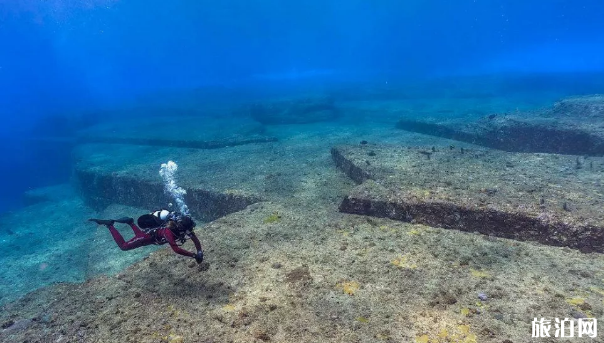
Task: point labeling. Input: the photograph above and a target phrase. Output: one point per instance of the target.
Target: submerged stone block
(552, 199)
(189, 132)
(49, 193)
(194, 144)
(295, 111)
(572, 126)
(102, 189)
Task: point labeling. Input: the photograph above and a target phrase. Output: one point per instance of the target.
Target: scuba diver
(158, 227)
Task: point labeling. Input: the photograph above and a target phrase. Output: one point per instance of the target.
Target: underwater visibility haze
(311, 171)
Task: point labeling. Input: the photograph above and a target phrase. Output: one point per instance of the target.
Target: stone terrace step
(295, 111)
(101, 190)
(189, 132)
(572, 126)
(216, 183)
(552, 199)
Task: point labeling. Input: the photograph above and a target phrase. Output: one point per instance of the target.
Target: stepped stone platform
(572, 126)
(189, 132)
(216, 184)
(48, 193)
(551, 199)
(294, 111)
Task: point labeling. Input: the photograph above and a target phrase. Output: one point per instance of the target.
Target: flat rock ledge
(175, 132)
(101, 189)
(572, 126)
(295, 111)
(174, 143)
(551, 199)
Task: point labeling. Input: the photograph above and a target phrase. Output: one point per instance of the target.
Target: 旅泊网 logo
(563, 328)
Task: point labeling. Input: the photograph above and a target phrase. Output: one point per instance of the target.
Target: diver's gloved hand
(199, 257)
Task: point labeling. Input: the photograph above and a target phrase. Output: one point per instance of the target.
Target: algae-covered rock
(572, 126)
(552, 199)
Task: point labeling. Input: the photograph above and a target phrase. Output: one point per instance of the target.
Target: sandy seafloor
(288, 269)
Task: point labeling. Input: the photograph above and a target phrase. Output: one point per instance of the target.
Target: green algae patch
(481, 274)
(581, 304)
(272, 218)
(576, 301)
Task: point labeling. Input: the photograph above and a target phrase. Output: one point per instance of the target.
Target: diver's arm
(195, 241)
(170, 238)
(199, 255)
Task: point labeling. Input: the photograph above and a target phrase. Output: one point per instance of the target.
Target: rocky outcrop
(102, 189)
(294, 111)
(572, 126)
(551, 199)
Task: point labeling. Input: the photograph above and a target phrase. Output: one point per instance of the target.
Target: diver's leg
(135, 242)
(117, 236)
(137, 231)
(130, 221)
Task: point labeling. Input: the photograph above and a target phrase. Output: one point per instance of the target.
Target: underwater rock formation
(552, 199)
(296, 111)
(572, 126)
(49, 193)
(191, 132)
(101, 189)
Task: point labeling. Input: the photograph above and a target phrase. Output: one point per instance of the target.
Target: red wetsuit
(160, 236)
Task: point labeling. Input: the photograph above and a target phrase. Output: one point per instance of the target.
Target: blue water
(62, 58)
